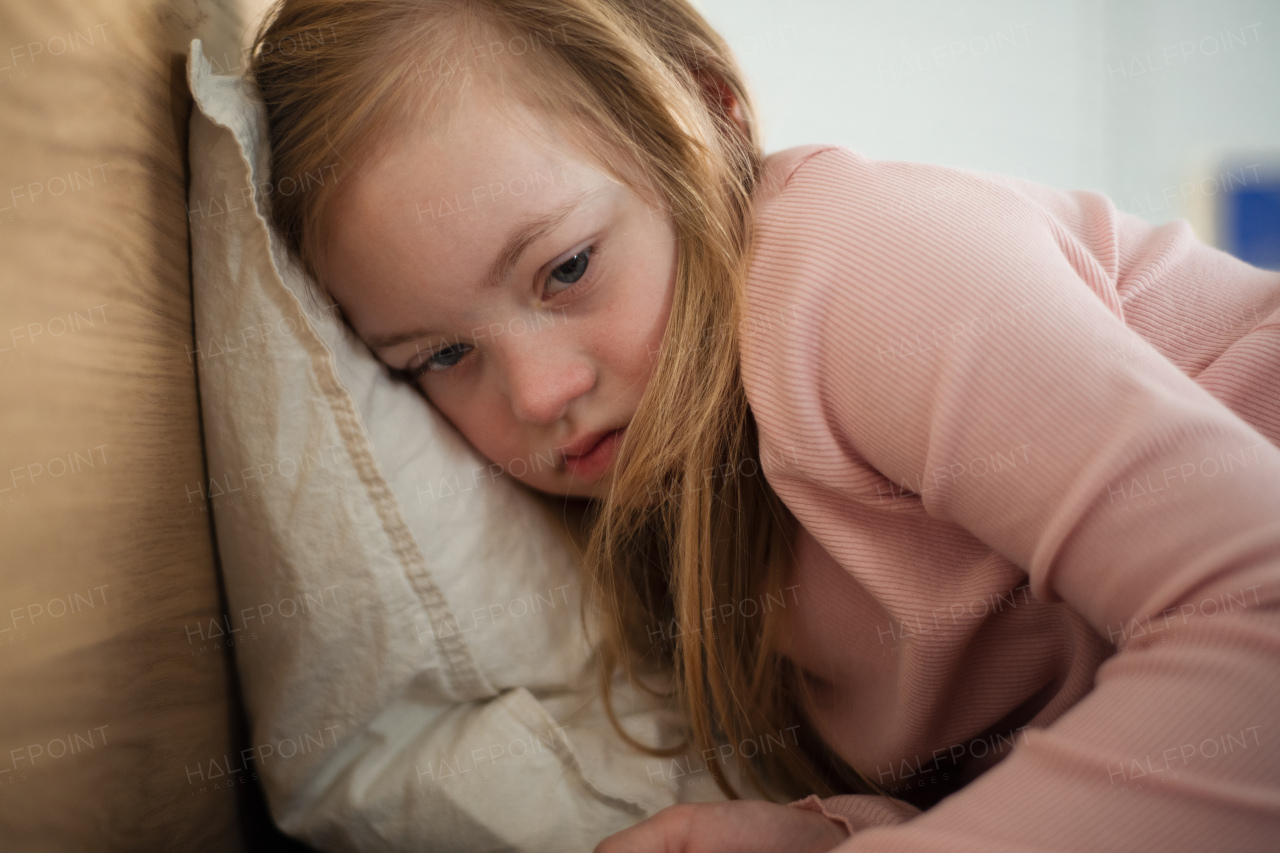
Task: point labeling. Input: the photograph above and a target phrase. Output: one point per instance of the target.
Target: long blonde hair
(690, 528)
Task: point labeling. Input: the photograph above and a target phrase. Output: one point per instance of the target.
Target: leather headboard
(114, 686)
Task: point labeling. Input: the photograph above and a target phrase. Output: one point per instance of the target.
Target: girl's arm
(1178, 745)
(865, 255)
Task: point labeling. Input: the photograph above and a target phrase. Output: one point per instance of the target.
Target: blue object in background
(1250, 221)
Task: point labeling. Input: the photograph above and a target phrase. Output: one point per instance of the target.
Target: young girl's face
(527, 287)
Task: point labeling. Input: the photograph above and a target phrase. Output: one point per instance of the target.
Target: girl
(912, 470)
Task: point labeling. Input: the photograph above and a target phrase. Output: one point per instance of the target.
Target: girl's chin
(577, 491)
(586, 491)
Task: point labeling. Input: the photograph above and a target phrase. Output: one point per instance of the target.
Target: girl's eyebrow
(523, 236)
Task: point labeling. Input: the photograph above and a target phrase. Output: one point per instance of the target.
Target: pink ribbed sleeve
(862, 347)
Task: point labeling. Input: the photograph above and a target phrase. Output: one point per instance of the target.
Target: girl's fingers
(741, 826)
(665, 832)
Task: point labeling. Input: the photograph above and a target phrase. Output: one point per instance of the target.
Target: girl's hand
(737, 826)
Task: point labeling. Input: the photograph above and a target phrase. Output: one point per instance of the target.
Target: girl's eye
(565, 275)
(569, 271)
(444, 359)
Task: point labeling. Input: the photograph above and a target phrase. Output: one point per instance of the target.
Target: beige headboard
(111, 692)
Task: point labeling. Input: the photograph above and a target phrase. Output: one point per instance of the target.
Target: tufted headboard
(114, 683)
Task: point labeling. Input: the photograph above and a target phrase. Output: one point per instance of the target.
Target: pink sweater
(1033, 444)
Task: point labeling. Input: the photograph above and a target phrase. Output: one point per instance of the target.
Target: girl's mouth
(591, 465)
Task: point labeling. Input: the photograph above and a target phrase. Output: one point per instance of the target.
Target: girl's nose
(544, 376)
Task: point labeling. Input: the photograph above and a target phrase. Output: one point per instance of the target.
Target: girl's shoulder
(899, 179)
(781, 165)
(840, 195)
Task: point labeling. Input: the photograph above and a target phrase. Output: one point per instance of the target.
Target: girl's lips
(591, 465)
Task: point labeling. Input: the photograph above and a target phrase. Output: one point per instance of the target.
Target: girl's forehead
(488, 117)
(485, 155)
(434, 212)
(490, 153)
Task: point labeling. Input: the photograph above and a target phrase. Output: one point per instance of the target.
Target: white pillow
(406, 628)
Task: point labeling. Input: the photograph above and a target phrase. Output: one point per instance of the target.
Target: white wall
(1128, 97)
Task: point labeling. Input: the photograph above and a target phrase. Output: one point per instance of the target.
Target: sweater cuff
(859, 811)
(813, 803)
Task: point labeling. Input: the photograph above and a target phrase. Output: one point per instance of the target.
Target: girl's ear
(722, 98)
(735, 112)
